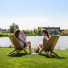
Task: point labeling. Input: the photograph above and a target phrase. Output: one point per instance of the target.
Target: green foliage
(13, 27)
(5, 34)
(3, 31)
(34, 32)
(7, 31)
(31, 34)
(10, 46)
(39, 31)
(4, 47)
(63, 34)
(23, 60)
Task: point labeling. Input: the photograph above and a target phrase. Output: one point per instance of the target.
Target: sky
(30, 14)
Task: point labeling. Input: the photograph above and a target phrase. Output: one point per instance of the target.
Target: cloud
(33, 22)
(24, 23)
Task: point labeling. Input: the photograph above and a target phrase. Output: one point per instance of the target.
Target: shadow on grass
(18, 55)
(53, 56)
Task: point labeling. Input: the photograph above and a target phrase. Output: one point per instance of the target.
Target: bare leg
(29, 43)
(38, 47)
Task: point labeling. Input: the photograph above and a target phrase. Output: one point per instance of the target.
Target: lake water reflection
(62, 43)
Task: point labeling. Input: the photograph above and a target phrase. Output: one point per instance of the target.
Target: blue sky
(30, 14)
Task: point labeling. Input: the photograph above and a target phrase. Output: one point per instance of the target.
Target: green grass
(33, 61)
(63, 34)
(5, 34)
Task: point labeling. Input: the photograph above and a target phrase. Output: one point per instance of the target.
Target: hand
(40, 45)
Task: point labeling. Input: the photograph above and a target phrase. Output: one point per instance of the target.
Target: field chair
(18, 47)
(49, 46)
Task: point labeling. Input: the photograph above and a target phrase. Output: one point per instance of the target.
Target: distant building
(52, 30)
(3, 29)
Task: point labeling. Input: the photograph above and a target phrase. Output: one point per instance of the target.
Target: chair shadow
(53, 56)
(18, 55)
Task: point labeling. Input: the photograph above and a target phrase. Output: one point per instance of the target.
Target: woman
(45, 39)
(17, 33)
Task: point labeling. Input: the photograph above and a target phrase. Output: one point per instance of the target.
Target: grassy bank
(6, 34)
(63, 34)
(32, 61)
(31, 34)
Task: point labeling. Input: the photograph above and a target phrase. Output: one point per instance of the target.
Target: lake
(62, 43)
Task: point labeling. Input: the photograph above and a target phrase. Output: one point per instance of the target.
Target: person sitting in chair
(17, 34)
(44, 32)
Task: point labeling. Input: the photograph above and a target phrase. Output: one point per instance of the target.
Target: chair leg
(25, 51)
(50, 53)
(56, 54)
(17, 52)
(40, 52)
(11, 52)
(47, 53)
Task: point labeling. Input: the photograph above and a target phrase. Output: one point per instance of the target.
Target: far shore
(6, 34)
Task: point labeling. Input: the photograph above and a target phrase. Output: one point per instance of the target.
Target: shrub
(4, 47)
(10, 46)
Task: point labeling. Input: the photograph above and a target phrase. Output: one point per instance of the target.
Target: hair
(46, 32)
(16, 33)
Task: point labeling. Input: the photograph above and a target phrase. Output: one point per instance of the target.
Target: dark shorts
(25, 45)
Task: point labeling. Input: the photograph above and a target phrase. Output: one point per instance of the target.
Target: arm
(20, 39)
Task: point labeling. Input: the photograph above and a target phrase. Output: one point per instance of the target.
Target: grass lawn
(33, 61)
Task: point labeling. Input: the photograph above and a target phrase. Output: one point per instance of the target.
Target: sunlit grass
(5, 34)
(23, 60)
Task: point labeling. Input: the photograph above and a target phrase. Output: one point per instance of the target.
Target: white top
(45, 42)
(46, 37)
(20, 42)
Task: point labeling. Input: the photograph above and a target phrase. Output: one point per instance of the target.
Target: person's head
(17, 33)
(44, 32)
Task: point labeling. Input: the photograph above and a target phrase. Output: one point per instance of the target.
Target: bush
(64, 34)
(5, 34)
(10, 46)
(4, 47)
(31, 34)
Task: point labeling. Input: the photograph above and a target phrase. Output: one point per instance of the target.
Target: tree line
(35, 31)
(14, 26)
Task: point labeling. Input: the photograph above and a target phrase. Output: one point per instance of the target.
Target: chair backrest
(15, 43)
(51, 43)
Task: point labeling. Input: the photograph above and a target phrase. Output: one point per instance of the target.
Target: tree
(35, 31)
(31, 32)
(39, 31)
(7, 31)
(13, 27)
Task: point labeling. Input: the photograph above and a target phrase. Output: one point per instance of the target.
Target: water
(62, 43)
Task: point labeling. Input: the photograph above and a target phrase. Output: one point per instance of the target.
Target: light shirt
(20, 42)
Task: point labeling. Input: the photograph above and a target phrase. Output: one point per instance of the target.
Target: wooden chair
(49, 47)
(18, 47)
